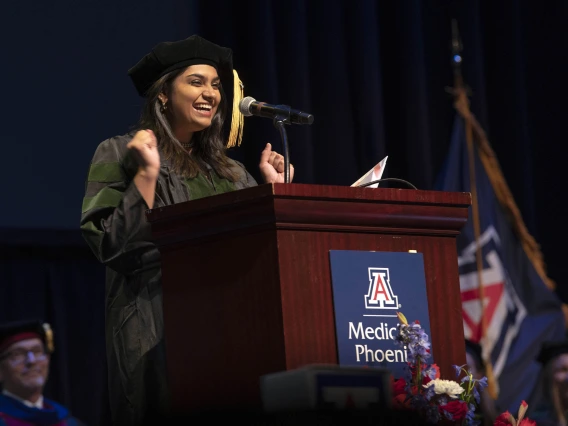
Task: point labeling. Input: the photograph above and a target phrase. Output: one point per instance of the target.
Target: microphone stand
(279, 121)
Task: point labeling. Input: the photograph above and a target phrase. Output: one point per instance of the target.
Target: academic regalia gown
(114, 225)
(15, 413)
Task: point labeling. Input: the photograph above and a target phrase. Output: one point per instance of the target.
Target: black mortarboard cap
(15, 331)
(552, 349)
(169, 56)
(195, 50)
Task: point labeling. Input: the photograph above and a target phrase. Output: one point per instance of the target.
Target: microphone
(249, 106)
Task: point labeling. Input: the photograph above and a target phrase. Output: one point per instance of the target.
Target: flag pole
(460, 95)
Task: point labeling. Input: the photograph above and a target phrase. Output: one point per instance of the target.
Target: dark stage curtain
(374, 74)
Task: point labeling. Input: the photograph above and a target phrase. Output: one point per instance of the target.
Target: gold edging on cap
(237, 119)
(48, 337)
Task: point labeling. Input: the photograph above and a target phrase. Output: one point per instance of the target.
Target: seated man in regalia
(25, 350)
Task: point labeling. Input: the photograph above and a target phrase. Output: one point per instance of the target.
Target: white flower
(448, 387)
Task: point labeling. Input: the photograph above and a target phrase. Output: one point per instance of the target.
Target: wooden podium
(247, 283)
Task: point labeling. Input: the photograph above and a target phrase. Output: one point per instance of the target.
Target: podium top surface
(321, 193)
(312, 207)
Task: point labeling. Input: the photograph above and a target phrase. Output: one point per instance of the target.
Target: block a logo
(380, 295)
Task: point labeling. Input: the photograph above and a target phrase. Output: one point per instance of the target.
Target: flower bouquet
(422, 389)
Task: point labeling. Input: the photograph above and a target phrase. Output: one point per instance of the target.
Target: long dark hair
(207, 146)
(550, 392)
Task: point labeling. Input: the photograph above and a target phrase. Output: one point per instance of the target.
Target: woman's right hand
(144, 145)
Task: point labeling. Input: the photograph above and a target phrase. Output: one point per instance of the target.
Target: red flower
(522, 411)
(503, 419)
(427, 379)
(507, 419)
(435, 367)
(458, 409)
(398, 387)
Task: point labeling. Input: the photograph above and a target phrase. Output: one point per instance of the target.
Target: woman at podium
(178, 153)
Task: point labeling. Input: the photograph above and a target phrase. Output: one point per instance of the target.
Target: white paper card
(374, 174)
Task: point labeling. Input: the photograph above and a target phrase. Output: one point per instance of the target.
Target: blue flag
(520, 310)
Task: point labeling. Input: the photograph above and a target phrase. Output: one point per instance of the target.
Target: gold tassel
(48, 338)
(238, 119)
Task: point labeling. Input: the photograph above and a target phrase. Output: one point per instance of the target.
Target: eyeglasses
(19, 356)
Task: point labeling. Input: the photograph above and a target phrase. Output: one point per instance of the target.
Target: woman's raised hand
(145, 148)
(272, 166)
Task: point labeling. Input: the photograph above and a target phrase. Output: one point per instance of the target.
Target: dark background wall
(373, 73)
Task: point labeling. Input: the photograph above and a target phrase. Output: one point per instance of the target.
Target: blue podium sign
(369, 288)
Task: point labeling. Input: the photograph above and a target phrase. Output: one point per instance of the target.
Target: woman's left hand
(272, 166)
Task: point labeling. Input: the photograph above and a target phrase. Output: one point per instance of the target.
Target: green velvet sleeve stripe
(105, 172)
(107, 197)
(90, 227)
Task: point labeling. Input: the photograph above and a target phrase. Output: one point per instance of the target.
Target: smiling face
(24, 367)
(193, 100)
